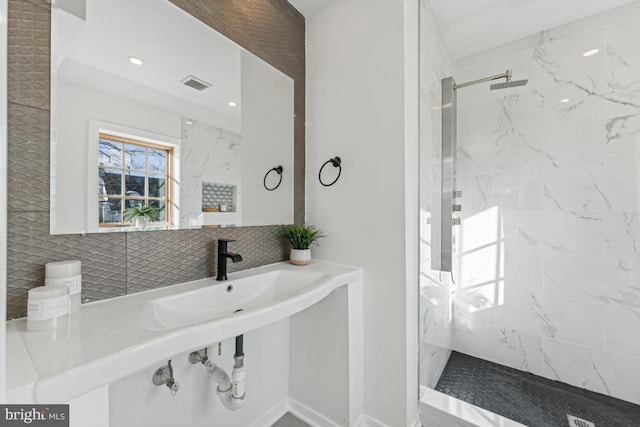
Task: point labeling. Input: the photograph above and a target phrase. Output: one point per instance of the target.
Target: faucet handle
(174, 387)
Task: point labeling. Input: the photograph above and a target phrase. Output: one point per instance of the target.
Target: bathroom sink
(225, 299)
(113, 339)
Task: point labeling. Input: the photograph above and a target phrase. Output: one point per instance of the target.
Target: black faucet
(222, 258)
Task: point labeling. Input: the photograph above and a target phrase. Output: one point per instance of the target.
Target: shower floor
(530, 399)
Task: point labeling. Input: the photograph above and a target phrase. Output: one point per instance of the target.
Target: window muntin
(132, 172)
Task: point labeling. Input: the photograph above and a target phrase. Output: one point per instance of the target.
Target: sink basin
(214, 300)
(108, 339)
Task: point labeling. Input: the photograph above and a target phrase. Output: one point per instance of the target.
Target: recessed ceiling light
(189, 122)
(564, 100)
(135, 60)
(232, 104)
(591, 52)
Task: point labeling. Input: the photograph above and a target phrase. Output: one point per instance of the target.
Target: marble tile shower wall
(435, 289)
(211, 157)
(549, 251)
(119, 263)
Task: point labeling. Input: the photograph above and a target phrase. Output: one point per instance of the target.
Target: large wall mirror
(155, 112)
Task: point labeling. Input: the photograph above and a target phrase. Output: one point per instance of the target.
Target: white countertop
(110, 339)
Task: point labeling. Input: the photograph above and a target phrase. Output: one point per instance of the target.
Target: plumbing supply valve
(200, 356)
(164, 375)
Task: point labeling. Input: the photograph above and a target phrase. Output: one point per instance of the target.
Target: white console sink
(226, 299)
(111, 339)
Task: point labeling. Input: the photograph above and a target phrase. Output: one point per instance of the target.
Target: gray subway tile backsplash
(30, 246)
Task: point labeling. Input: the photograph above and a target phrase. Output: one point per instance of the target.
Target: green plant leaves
(150, 212)
(302, 236)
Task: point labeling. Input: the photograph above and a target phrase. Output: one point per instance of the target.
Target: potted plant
(301, 237)
(140, 215)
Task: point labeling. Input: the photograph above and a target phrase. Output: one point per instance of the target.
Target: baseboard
(272, 415)
(372, 422)
(360, 422)
(310, 416)
(316, 419)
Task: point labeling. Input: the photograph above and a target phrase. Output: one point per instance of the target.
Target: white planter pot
(142, 221)
(300, 256)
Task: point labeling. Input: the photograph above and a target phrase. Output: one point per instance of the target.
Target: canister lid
(62, 269)
(51, 291)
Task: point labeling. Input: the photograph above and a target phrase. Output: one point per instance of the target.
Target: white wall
(319, 358)
(3, 194)
(549, 259)
(267, 141)
(356, 109)
(136, 401)
(75, 107)
(436, 288)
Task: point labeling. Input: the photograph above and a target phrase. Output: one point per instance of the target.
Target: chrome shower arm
(505, 75)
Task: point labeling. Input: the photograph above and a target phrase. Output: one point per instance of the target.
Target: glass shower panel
(435, 287)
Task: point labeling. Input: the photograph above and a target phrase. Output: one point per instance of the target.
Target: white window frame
(96, 127)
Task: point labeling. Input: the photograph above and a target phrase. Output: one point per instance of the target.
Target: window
(132, 173)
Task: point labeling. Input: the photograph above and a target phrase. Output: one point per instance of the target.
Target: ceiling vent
(194, 82)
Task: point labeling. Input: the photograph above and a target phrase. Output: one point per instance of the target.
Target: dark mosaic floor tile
(530, 399)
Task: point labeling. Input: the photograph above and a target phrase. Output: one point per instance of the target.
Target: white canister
(69, 274)
(47, 307)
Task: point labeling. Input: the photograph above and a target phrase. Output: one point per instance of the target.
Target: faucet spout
(223, 255)
(234, 257)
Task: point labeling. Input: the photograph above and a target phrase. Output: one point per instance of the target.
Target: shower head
(509, 84)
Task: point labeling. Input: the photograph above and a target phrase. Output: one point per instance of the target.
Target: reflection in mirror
(212, 176)
(171, 120)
